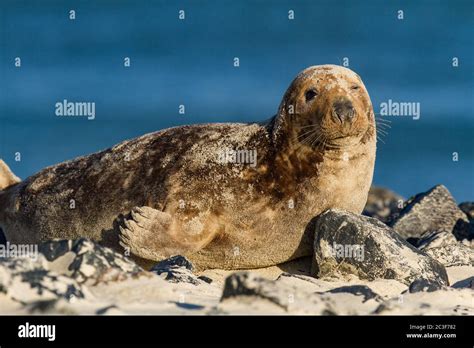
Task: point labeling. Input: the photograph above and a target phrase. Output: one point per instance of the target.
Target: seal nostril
(343, 110)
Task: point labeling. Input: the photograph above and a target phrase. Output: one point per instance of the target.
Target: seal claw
(145, 233)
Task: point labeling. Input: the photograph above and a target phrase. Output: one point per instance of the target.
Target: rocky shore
(412, 256)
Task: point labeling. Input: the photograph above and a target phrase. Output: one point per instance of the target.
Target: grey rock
(453, 255)
(26, 280)
(87, 261)
(246, 284)
(468, 209)
(179, 275)
(59, 270)
(347, 243)
(382, 204)
(178, 269)
(173, 261)
(205, 279)
(432, 211)
(252, 292)
(468, 243)
(424, 285)
(432, 240)
(359, 290)
(54, 249)
(443, 247)
(464, 283)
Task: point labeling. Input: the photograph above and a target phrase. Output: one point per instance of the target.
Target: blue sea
(191, 62)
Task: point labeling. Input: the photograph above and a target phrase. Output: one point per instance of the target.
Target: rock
(452, 255)
(54, 249)
(467, 281)
(174, 261)
(468, 243)
(432, 240)
(87, 261)
(248, 284)
(380, 288)
(359, 290)
(255, 291)
(446, 301)
(26, 280)
(444, 248)
(382, 204)
(432, 211)
(468, 209)
(58, 271)
(205, 279)
(347, 243)
(245, 292)
(424, 285)
(178, 269)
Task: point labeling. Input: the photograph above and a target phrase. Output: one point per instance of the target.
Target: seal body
(224, 195)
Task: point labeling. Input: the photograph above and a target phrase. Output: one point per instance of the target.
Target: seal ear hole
(355, 87)
(310, 94)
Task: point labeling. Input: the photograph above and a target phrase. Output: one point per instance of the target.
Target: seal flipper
(144, 231)
(155, 235)
(7, 178)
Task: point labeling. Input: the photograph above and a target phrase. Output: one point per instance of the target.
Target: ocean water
(190, 62)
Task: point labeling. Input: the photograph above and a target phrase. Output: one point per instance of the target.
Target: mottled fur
(166, 192)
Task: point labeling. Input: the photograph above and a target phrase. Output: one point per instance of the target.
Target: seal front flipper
(156, 235)
(7, 178)
(145, 233)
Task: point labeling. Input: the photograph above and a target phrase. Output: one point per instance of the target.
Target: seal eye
(310, 94)
(355, 87)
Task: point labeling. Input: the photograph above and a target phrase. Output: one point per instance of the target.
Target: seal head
(327, 107)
